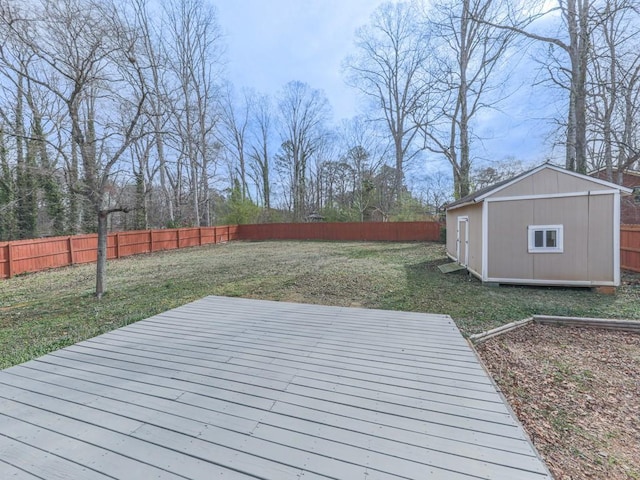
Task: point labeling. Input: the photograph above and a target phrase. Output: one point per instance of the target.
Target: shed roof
(480, 195)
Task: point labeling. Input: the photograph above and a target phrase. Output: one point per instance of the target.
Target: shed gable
(548, 181)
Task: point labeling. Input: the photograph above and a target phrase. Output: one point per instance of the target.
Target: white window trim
(531, 229)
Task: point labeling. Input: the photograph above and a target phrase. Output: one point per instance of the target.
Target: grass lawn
(45, 311)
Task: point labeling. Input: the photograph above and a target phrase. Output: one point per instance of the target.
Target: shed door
(462, 241)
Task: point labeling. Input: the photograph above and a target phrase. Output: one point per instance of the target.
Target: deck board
(240, 389)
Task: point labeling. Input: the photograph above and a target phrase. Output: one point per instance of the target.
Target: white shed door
(462, 241)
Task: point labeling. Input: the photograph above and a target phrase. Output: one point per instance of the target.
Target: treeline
(117, 114)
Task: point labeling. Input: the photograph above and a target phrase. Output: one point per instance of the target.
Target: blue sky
(273, 42)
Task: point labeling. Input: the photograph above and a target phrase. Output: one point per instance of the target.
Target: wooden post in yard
(151, 240)
(200, 236)
(178, 238)
(10, 259)
(72, 259)
(117, 244)
(228, 233)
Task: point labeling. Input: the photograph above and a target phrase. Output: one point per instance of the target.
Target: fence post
(10, 263)
(228, 233)
(151, 240)
(200, 236)
(71, 255)
(117, 244)
(178, 237)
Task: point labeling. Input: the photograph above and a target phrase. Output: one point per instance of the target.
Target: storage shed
(547, 226)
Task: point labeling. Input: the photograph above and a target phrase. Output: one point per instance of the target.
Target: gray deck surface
(237, 389)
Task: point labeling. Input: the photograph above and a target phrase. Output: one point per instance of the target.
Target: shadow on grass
(476, 307)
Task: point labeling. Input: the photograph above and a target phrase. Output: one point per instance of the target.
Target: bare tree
(365, 153)
(234, 116)
(614, 86)
(391, 70)
(576, 16)
(470, 57)
(437, 192)
(496, 172)
(195, 58)
(262, 126)
(88, 61)
(159, 100)
(303, 113)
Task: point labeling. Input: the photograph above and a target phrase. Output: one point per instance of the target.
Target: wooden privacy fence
(355, 231)
(43, 253)
(630, 247)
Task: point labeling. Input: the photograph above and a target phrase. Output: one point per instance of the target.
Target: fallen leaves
(577, 393)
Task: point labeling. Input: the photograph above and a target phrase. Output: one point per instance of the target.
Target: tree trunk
(73, 219)
(465, 162)
(266, 188)
(166, 195)
(581, 97)
(399, 177)
(101, 264)
(577, 22)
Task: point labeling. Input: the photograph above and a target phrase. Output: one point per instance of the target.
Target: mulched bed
(577, 393)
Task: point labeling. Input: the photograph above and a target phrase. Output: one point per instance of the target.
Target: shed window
(636, 195)
(545, 239)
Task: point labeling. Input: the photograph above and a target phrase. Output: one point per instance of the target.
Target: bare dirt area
(577, 393)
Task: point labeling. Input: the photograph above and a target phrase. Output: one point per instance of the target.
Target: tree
(27, 210)
(303, 113)
(499, 171)
(262, 124)
(194, 56)
(365, 152)
(438, 192)
(471, 50)
(240, 210)
(234, 119)
(391, 70)
(614, 85)
(576, 16)
(87, 60)
(160, 105)
(8, 226)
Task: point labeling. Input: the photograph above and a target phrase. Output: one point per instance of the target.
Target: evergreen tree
(8, 227)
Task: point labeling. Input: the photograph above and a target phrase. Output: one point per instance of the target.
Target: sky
(271, 42)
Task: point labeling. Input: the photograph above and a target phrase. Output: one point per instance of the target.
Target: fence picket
(9, 260)
(630, 247)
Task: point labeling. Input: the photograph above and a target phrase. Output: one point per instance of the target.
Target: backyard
(559, 381)
(45, 311)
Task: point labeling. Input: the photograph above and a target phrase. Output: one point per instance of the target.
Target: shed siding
(548, 182)
(474, 212)
(588, 239)
(573, 214)
(601, 247)
(507, 240)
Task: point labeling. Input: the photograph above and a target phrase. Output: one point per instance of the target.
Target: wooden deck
(242, 389)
